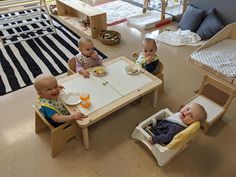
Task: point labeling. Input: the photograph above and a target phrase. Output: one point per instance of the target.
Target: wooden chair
(59, 135)
(72, 66)
(215, 96)
(164, 153)
(160, 75)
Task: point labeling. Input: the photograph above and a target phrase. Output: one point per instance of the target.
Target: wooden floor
(113, 153)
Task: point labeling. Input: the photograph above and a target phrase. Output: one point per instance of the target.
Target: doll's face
(49, 88)
(149, 49)
(190, 114)
(87, 48)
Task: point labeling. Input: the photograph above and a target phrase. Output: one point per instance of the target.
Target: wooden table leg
(155, 95)
(85, 137)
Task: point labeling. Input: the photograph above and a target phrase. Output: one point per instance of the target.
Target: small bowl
(109, 37)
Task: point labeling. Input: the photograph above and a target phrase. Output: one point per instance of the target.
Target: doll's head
(86, 47)
(192, 113)
(149, 47)
(47, 87)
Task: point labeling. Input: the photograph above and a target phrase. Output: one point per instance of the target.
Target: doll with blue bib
(51, 105)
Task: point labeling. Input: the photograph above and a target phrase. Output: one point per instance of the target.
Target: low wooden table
(111, 92)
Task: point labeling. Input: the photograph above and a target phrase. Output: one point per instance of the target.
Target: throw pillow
(210, 25)
(191, 18)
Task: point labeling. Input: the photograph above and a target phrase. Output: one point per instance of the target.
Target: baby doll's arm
(149, 59)
(63, 118)
(97, 57)
(81, 70)
(61, 87)
(78, 67)
(94, 55)
(85, 73)
(135, 56)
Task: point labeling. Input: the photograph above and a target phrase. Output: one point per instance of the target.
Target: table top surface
(110, 92)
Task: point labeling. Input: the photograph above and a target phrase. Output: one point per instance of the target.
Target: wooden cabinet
(73, 11)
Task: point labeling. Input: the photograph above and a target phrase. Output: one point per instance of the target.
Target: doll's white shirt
(175, 118)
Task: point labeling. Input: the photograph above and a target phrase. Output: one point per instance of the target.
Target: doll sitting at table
(148, 58)
(87, 57)
(164, 130)
(52, 106)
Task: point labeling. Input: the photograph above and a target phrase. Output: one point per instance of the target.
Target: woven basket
(109, 37)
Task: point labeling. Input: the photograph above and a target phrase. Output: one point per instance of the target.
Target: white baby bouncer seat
(164, 153)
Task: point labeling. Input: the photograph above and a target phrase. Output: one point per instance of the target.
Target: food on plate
(99, 71)
(133, 70)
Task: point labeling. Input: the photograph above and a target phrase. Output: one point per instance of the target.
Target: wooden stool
(59, 135)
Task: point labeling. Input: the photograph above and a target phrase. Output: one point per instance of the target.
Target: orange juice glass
(85, 100)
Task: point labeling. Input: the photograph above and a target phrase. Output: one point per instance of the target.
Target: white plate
(132, 70)
(72, 99)
(99, 71)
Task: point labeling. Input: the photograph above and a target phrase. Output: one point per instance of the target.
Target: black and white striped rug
(21, 62)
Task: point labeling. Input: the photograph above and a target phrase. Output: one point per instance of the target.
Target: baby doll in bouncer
(165, 129)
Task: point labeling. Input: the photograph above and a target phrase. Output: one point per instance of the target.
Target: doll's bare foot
(150, 141)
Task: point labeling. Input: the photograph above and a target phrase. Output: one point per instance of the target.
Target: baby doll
(87, 57)
(148, 58)
(52, 106)
(166, 129)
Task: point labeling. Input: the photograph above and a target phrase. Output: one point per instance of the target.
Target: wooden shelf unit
(73, 11)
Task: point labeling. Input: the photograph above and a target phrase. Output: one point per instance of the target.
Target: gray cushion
(210, 25)
(191, 18)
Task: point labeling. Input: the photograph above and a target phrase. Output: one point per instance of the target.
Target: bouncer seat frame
(164, 153)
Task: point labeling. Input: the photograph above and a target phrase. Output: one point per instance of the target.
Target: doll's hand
(61, 87)
(135, 55)
(94, 55)
(85, 73)
(79, 116)
(149, 59)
